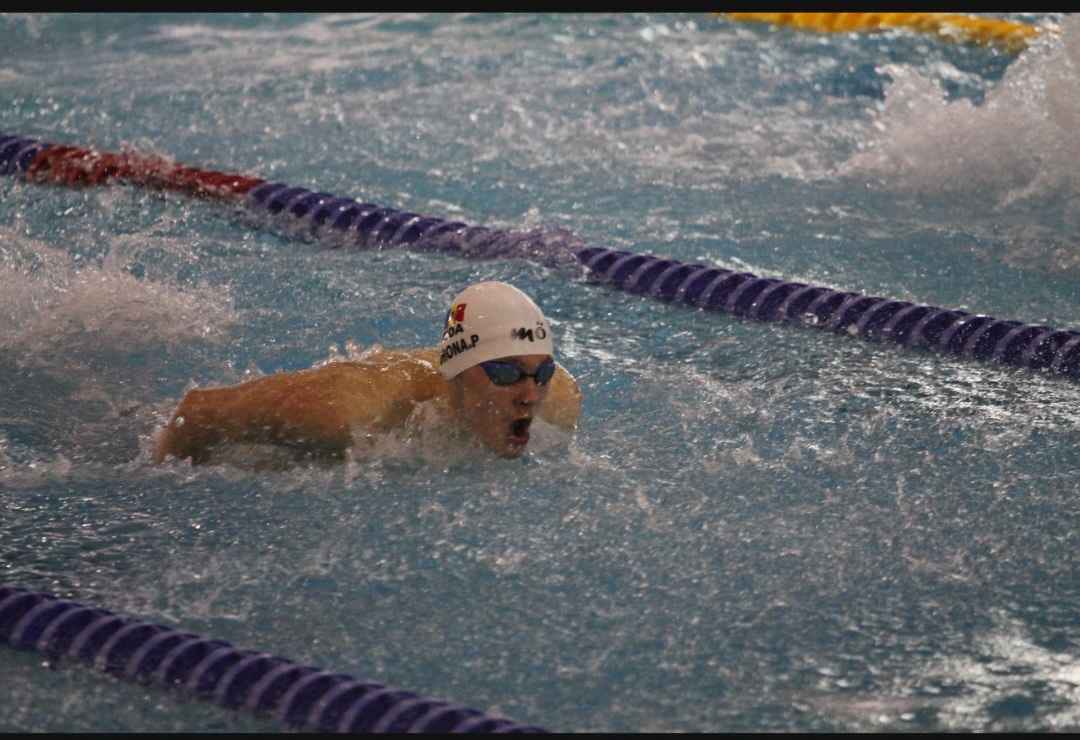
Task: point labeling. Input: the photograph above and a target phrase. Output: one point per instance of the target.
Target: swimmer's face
(500, 415)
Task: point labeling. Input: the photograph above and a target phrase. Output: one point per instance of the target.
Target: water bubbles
(651, 33)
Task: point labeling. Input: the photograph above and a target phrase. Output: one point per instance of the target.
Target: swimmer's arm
(278, 409)
(562, 407)
(314, 410)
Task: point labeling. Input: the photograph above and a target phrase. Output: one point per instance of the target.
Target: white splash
(1020, 145)
(50, 304)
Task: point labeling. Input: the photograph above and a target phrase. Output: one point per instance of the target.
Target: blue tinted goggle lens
(508, 373)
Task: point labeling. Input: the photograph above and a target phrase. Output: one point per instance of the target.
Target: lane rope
(1011, 36)
(348, 223)
(297, 696)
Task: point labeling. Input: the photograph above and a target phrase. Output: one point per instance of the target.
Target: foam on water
(69, 330)
(1003, 157)
(58, 308)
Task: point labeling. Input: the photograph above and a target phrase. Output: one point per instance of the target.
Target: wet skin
(315, 413)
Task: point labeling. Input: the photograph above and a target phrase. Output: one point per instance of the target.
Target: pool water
(756, 527)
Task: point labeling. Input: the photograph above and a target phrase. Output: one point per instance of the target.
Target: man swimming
(492, 374)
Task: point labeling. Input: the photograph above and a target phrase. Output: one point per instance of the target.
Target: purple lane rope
(345, 222)
(297, 696)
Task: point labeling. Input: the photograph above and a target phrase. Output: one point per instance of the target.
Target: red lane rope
(75, 166)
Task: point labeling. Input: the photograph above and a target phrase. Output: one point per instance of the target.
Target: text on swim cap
(452, 330)
(454, 316)
(457, 347)
(522, 333)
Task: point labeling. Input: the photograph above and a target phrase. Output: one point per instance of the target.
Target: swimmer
(492, 374)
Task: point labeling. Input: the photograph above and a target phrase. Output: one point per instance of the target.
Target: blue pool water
(756, 527)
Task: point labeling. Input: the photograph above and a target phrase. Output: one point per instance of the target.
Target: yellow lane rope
(1011, 35)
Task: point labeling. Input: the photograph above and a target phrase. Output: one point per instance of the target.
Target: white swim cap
(490, 320)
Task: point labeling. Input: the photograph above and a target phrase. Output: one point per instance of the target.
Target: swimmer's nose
(528, 392)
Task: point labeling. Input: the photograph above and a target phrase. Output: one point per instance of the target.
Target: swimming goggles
(501, 372)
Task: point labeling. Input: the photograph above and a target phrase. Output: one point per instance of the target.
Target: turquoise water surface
(756, 527)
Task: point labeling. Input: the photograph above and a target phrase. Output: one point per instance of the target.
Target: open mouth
(519, 430)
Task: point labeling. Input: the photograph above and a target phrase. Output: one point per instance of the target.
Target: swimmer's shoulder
(388, 372)
(562, 406)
